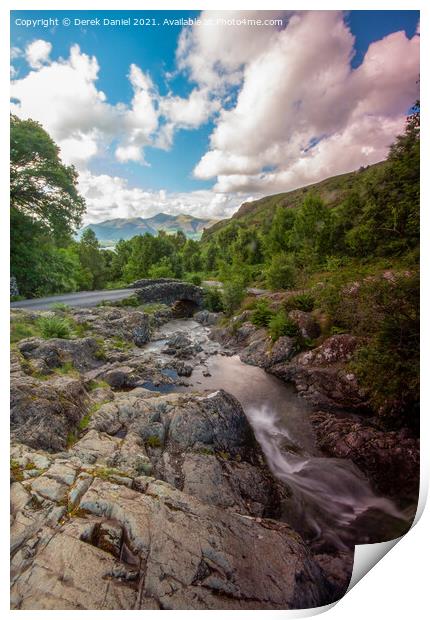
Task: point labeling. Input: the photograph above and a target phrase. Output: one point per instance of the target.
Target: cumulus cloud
(37, 53)
(110, 197)
(302, 112)
(288, 109)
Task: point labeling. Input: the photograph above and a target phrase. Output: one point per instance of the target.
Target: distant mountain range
(111, 231)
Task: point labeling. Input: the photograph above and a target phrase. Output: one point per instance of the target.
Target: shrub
(281, 325)
(302, 301)
(212, 299)
(194, 278)
(281, 273)
(54, 327)
(262, 314)
(233, 294)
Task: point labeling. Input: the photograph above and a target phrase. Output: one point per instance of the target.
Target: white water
(332, 502)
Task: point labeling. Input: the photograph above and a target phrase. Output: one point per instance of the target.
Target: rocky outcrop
(44, 413)
(153, 548)
(171, 292)
(306, 324)
(46, 355)
(157, 506)
(321, 375)
(390, 459)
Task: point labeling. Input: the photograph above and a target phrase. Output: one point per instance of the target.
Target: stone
(82, 352)
(44, 413)
(307, 325)
(389, 458)
(206, 318)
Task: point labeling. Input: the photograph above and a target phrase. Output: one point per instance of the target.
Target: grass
(61, 307)
(54, 327)
(22, 328)
(94, 385)
(66, 369)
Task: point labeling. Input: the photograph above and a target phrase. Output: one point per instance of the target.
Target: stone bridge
(185, 298)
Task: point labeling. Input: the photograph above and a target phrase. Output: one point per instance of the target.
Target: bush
(54, 327)
(212, 299)
(262, 314)
(281, 325)
(281, 273)
(233, 294)
(302, 301)
(194, 278)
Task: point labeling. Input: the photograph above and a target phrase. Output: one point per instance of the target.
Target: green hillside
(259, 213)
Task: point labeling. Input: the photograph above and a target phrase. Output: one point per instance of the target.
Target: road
(82, 299)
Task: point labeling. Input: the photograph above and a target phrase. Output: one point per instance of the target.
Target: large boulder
(44, 413)
(322, 376)
(390, 459)
(83, 353)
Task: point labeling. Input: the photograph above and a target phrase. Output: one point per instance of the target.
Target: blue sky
(220, 157)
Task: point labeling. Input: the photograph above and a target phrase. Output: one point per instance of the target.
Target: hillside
(260, 212)
(111, 231)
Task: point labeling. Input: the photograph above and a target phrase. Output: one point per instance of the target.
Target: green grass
(61, 307)
(153, 441)
(22, 328)
(54, 327)
(94, 385)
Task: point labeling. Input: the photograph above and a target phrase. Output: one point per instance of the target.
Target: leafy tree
(281, 273)
(41, 186)
(91, 258)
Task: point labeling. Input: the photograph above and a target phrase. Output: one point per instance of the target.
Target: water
(331, 504)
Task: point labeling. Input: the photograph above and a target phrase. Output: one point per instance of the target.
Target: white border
(397, 586)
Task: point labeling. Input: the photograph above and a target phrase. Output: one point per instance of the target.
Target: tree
(41, 186)
(91, 258)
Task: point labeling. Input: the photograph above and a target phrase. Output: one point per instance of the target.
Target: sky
(196, 112)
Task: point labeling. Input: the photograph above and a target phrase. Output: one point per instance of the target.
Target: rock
(44, 413)
(206, 318)
(307, 325)
(49, 488)
(322, 377)
(53, 353)
(181, 346)
(261, 352)
(390, 459)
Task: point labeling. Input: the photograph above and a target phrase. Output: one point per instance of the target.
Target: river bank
(186, 477)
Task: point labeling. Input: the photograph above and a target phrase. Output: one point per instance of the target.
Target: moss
(154, 441)
(121, 343)
(94, 385)
(16, 473)
(66, 369)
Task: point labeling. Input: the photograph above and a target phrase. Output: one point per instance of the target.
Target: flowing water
(331, 503)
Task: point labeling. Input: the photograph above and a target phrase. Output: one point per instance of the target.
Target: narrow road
(82, 299)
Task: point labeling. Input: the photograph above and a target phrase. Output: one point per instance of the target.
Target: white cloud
(109, 197)
(37, 53)
(299, 89)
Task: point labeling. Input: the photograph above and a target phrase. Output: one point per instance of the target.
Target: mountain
(111, 231)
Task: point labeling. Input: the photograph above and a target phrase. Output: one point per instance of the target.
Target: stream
(331, 504)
